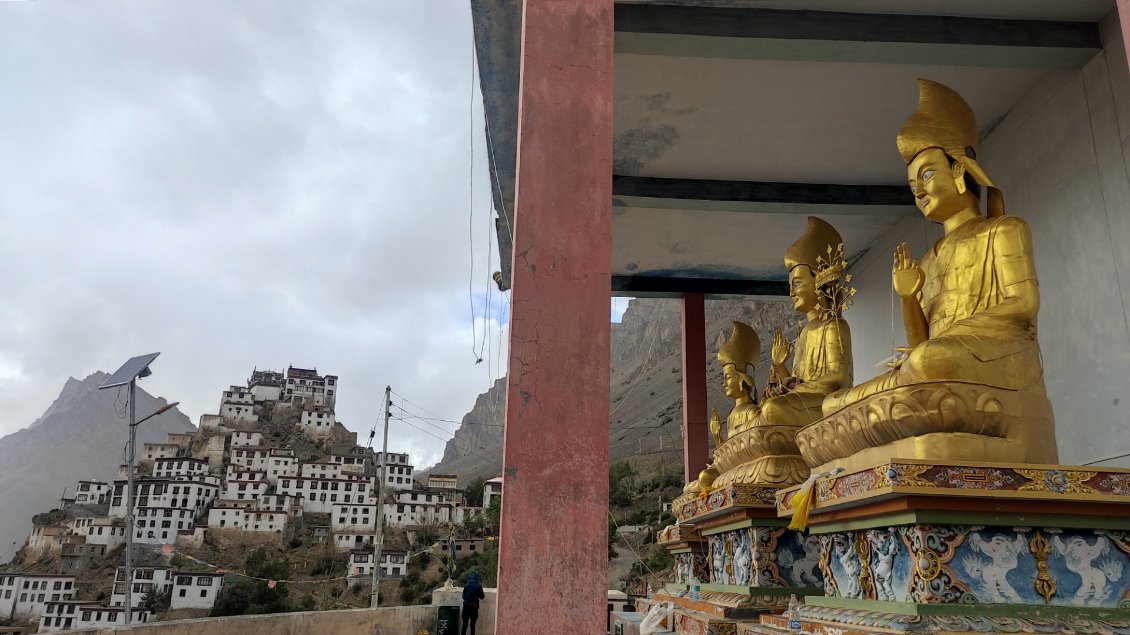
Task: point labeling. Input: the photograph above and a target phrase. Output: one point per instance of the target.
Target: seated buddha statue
(823, 347)
(738, 357)
(970, 383)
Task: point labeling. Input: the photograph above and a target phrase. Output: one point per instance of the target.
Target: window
(57, 586)
(112, 617)
(86, 616)
(183, 592)
(203, 593)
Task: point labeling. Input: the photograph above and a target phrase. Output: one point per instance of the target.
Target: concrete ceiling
(804, 122)
(1067, 10)
(731, 105)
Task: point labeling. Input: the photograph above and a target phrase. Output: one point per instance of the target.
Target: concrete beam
(746, 33)
(671, 287)
(760, 197)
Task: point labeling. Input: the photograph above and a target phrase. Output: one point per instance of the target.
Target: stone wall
(1060, 158)
(400, 620)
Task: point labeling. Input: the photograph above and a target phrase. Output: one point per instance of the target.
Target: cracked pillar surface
(553, 547)
(696, 447)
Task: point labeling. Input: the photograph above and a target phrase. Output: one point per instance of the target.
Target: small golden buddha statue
(738, 357)
(823, 346)
(970, 385)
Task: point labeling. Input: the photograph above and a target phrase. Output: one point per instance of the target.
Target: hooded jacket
(473, 591)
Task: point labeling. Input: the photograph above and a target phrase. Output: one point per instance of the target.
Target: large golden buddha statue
(970, 385)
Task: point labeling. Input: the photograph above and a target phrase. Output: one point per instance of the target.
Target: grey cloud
(238, 184)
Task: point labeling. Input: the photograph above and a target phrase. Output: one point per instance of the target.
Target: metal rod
(381, 505)
(129, 498)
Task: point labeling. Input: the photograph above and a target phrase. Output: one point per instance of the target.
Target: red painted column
(553, 547)
(1124, 22)
(696, 444)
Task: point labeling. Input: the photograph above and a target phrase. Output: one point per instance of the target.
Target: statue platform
(735, 549)
(947, 546)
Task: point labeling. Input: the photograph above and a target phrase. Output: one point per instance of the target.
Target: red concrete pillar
(696, 445)
(553, 547)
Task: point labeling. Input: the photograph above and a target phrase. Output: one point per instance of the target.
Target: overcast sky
(240, 184)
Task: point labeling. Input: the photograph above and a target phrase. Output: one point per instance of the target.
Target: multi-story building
(240, 439)
(354, 518)
(399, 470)
(253, 458)
(84, 615)
(182, 439)
(317, 421)
(281, 463)
(158, 579)
(92, 492)
(305, 387)
(320, 469)
(195, 590)
(179, 466)
(319, 495)
(265, 385)
(31, 592)
(492, 488)
(107, 531)
(229, 514)
(348, 540)
(159, 525)
(49, 539)
(154, 451)
(394, 563)
(242, 484)
(423, 507)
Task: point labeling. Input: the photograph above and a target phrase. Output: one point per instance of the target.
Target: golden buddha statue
(823, 346)
(738, 357)
(970, 383)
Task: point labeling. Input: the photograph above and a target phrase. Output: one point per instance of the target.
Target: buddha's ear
(958, 172)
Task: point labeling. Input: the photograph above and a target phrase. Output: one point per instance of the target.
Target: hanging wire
(476, 350)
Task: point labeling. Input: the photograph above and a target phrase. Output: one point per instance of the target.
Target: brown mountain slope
(646, 399)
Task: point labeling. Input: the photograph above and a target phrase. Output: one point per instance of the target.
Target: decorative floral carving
(1057, 481)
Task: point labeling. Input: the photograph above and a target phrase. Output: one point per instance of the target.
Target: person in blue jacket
(472, 593)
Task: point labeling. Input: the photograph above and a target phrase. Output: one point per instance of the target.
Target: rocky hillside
(646, 408)
(80, 436)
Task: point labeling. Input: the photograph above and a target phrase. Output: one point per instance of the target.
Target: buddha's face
(802, 288)
(935, 189)
(732, 382)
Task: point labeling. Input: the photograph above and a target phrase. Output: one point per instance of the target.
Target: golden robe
(822, 363)
(980, 310)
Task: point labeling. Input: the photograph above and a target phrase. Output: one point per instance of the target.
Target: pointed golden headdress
(944, 120)
(744, 347)
(815, 247)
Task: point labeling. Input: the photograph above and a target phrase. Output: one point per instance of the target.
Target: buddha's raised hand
(907, 276)
(781, 349)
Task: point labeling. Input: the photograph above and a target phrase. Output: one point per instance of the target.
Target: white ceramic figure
(718, 559)
(743, 558)
(1003, 557)
(1080, 557)
(803, 571)
(850, 564)
(885, 548)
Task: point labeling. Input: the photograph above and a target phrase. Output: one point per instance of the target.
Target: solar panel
(135, 367)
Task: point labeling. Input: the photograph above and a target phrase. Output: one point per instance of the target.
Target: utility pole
(129, 497)
(381, 505)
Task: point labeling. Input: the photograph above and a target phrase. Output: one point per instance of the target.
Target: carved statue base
(941, 420)
(735, 560)
(949, 547)
(760, 456)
